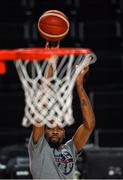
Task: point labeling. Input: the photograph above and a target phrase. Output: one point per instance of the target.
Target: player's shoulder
(69, 143)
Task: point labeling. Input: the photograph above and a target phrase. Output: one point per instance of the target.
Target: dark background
(95, 24)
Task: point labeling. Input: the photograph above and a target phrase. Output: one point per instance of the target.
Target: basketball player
(49, 157)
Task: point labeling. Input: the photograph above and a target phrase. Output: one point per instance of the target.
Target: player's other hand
(81, 75)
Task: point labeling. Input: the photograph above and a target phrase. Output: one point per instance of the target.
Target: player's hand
(81, 75)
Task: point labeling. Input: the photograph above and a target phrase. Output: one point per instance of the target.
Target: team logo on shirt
(64, 161)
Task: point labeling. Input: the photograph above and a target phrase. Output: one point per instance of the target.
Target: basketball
(53, 25)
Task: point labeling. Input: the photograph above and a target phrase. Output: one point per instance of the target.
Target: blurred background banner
(94, 24)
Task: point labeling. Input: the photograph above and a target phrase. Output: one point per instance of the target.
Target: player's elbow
(90, 125)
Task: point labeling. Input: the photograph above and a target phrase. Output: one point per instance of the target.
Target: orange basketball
(53, 25)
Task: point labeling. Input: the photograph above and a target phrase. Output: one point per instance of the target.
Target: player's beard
(54, 144)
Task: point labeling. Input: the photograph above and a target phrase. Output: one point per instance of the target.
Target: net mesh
(48, 88)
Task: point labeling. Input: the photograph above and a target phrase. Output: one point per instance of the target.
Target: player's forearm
(86, 108)
(37, 133)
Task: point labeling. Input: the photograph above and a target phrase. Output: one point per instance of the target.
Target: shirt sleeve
(72, 148)
(35, 147)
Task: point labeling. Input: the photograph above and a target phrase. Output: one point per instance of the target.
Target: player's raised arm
(37, 132)
(88, 119)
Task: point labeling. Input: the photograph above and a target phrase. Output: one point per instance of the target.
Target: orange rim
(40, 53)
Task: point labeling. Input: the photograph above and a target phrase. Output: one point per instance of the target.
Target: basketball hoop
(47, 97)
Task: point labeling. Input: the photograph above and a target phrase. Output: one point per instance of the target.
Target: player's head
(54, 136)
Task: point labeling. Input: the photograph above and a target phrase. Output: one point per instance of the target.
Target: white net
(48, 98)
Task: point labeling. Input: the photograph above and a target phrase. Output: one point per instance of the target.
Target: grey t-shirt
(48, 163)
